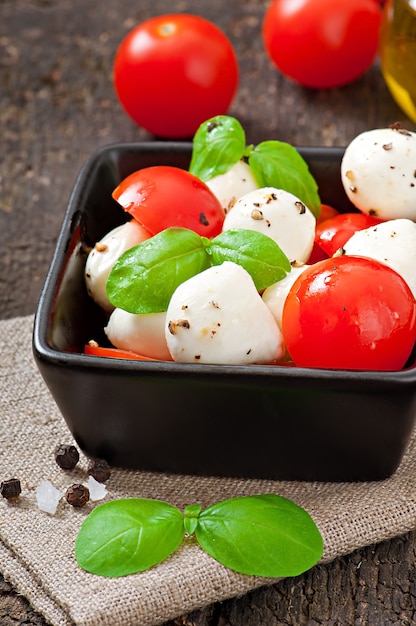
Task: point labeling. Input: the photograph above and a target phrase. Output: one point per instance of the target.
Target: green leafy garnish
(260, 255)
(127, 536)
(261, 535)
(220, 143)
(145, 277)
(278, 164)
(264, 535)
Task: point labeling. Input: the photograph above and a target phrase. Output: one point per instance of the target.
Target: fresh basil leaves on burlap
(261, 535)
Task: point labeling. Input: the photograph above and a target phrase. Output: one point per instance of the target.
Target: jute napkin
(37, 549)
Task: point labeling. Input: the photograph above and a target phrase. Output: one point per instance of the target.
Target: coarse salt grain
(47, 497)
(98, 490)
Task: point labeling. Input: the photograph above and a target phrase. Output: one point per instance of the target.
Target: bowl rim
(43, 351)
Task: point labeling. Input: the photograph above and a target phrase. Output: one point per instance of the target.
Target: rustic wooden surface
(57, 106)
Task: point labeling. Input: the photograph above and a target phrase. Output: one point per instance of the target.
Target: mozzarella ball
(141, 333)
(392, 243)
(278, 214)
(105, 253)
(219, 317)
(378, 172)
(275, 295)
(236, 182)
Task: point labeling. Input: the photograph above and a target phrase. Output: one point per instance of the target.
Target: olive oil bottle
(398, 53)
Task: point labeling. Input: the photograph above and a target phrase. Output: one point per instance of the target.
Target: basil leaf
(263, 535)
(191, 514)
(128, 535)
(144, 278)
(278, 164)
(260, 255)
(218, 144)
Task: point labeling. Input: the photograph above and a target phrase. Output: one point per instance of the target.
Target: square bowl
(283, 423)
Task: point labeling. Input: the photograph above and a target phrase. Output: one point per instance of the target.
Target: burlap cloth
(37, 549)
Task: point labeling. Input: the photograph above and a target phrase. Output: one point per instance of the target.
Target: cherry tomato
(350, 313)
(162, 196)
(114, 353)
(173, 72)
(327, 211)
(333, 233)
(322, 43)
(318, 254)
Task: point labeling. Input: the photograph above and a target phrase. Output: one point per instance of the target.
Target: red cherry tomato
(327, 211)
(350, 313)
(114, 353)
(322, 43)
(162, 196)
(318, 254)
(173, 72)
(333, 233)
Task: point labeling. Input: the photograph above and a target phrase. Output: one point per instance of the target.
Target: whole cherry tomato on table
(173, 72)
(322, 43)
(350, 313)
(162, 196)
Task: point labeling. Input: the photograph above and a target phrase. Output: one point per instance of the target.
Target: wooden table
(57, 105)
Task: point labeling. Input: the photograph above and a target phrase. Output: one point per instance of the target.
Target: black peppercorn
(99, 469)
(66, 456)
(11, 489)
(77, 495)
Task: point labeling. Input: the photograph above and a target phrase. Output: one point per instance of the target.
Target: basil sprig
(144, 278)
(260, 535)
(220, 142)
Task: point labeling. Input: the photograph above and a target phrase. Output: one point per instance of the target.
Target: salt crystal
(98, 490)
(48, 497)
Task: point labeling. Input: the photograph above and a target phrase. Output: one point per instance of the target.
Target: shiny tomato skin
(114, 353)
(350, 313)
(326, 212)
(334, 232)
(162, 196)
(173, 72)
(322, 44)
(318, 254)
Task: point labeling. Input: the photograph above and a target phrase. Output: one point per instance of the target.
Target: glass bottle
(398, 53)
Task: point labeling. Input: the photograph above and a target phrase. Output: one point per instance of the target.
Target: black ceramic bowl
(248, 421)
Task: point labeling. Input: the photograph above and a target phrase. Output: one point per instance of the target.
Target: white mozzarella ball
(278, 214)
(141, 333)
(392, 243)
(105, 253)
(236, 182)
(219, 317)
(378, 172)
(275, 295)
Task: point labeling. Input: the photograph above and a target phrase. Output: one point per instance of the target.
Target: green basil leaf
(263, 535)
(260, 255)
(144, 278)
(218, 144)
(127, 536)
(278, 164)
(191, 514)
